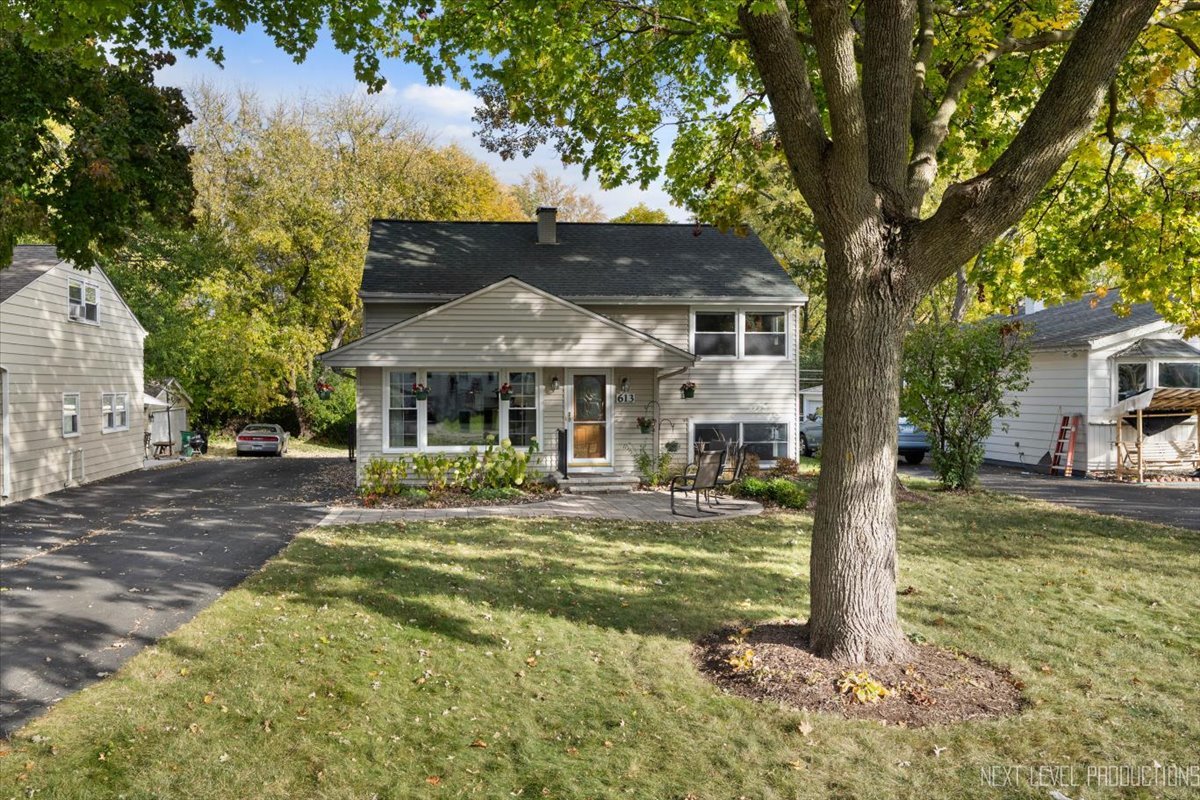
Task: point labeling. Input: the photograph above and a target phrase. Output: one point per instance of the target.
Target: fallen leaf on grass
(434, 780)
(480, 743)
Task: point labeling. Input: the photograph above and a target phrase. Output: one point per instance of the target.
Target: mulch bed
(453, 498)
(933, 687)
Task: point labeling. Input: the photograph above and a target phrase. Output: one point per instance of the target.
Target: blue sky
(253, 62)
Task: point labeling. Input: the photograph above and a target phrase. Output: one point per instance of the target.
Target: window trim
(741, 422)
(78, 415)
(422, 374)
(739, 330)
(84, 284)
(1152, 365)
(104, 428)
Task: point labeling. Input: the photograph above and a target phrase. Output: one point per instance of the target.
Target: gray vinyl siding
(1058, 387)
(507, 325)
(378, 315)
(48, 355)
(747, 390)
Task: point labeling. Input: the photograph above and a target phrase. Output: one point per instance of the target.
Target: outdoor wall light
(554, 384)
(624, 385)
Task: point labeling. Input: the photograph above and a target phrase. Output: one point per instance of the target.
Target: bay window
(1179, 374)
(740, 333)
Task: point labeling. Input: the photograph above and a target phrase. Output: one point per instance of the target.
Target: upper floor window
(716, 334)
(740, 334)
(83, 300)
(114, 409)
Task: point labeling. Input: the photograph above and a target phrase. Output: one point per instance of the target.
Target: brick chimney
(547, 225)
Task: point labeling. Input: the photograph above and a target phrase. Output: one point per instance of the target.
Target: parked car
(262, 439)
(912, 446)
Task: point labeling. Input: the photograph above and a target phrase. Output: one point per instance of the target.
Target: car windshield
(260, 429)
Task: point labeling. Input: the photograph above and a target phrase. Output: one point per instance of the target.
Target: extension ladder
(1064, 445)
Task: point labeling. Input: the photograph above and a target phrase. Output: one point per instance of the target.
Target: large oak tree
(914, 133)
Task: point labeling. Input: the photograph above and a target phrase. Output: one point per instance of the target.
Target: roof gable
(589, 261)
(30, 262)
(509, 322)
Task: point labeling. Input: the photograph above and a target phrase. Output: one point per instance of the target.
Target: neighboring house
(591, 325)
(812, 400)
(166, 405)
(1085, 360)
(71, 375)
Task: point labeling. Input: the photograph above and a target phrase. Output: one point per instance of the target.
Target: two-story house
(70, 376)
(590, 326)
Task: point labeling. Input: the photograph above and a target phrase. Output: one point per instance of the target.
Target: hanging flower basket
(506, 391)
(645, 424)
(688, 390)
(324, 391)
(420, 391)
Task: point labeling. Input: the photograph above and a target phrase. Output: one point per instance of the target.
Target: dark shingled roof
(30, 261)
(450, 259)
(1160, 348)
(1076, 324)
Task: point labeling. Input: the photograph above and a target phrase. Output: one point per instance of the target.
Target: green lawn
(551, 659)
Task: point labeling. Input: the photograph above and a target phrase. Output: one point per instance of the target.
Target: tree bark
(853, 564)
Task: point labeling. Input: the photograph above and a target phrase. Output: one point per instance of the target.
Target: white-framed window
(114, 412)
(767, 440)
(70, 414)
(83, 300)
(1135, 377)
(751, 333)
(400, 432)
(463, 409)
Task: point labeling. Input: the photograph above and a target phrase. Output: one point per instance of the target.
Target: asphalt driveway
(91, 575)
(1175, 504)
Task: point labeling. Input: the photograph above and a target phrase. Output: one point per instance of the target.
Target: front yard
(553, 659)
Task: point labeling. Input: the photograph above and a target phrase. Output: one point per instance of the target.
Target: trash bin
(185, 444)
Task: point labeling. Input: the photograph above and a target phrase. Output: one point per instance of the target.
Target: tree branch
(834, 36)
(778, 54)
(973, 213)
(887, 98)
(923, 166)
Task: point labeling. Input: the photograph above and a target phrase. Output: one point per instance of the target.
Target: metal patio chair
(707, 470)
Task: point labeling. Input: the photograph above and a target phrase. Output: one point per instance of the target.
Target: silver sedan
(262, 439)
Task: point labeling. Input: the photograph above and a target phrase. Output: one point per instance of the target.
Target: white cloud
(443, 100)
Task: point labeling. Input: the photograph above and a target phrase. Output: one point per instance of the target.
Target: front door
(589, 419)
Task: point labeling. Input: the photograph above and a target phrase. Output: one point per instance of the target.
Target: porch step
(596, 484)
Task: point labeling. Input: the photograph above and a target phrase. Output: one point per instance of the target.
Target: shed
(166, 407)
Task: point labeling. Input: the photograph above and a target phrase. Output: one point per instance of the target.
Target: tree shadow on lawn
(680, 584)
(989, 526)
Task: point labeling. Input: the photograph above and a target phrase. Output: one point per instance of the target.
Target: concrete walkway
(632, 506)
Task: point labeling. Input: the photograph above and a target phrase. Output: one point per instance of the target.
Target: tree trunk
(853, 566)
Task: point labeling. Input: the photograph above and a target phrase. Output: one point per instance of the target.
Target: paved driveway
(89, 576)
(1175, 504)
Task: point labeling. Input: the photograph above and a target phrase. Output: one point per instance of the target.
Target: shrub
(652, 471)
(383, 477)
(784, 468)
(774, 491)
(957, 381)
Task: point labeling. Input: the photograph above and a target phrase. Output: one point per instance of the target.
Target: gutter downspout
(5, 451)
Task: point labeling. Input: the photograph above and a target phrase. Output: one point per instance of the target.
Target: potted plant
(324, 390)
(645, 424)
(688, 389)
(505, 391)
(420, 391)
